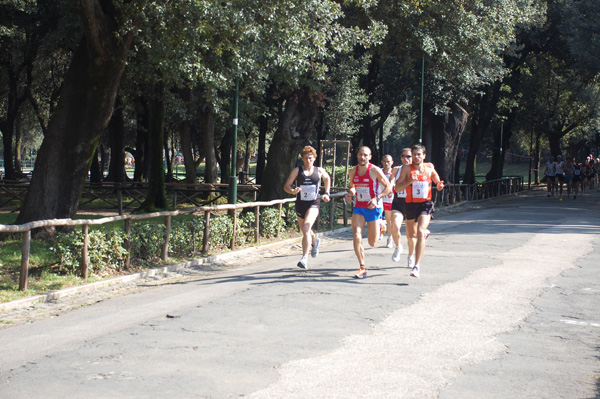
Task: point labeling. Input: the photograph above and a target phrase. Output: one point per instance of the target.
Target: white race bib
(308, 192)
(363, 194)
(401, 194)
(420, 189)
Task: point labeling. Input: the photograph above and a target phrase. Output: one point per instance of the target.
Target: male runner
(559, 176)
(307, 178)
(417, 180)
(550, 176)
(387, 162)
(364, 182)
(398, 212)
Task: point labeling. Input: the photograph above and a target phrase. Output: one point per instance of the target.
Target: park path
(506, 307)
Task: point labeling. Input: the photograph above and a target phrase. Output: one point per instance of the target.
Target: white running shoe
(411, 261)
(427, 234)
(397, 252)
(303, 264)
(390, 243)
(314, 251)
(415, 272)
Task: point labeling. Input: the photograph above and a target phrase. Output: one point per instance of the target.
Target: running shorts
(370, 215)
(416, 209)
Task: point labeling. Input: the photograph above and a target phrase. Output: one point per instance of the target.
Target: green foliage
(106, 251)
(146, 241)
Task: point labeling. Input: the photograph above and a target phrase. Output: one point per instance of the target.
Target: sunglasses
(406, 156)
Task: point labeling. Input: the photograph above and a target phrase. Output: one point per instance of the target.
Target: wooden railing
(25, 229)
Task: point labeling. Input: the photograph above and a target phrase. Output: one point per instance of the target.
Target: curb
(55, 295)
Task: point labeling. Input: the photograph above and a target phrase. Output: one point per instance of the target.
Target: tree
(84, 109)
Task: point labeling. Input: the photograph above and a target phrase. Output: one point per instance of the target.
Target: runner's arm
(287, 187)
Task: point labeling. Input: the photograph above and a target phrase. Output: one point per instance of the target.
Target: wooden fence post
(128, 243)
(85, 261)
(25, 249)
(206, 230)
(257, 224)
(164, 253)
(279, 207)
(232, 244)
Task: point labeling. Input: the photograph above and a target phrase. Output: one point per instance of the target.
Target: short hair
(364, 146)
(387, 156)
(406, 149)
(419, 147)
(308, 150)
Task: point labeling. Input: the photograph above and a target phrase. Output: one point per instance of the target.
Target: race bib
(420, 189)
(388, 199)
(308, 192)
(401, 194)
(363, 194)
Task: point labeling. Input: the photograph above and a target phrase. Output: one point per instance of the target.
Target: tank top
(309, 185)
(400, 194)
(386, 199)
(366, 188)
(420, 190)
(558, 168)
(576, 170)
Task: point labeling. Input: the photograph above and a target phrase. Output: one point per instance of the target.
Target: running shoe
(314, 251)
(415, 272)
(427, 234)
(411, 261)
(361, 273)
(303, 264)
(383, 228)
(390, 242)
(397, 252)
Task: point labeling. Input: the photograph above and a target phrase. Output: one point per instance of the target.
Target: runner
(568, 168)
(417, 180)
(364, 182)
(398, 212)
(550, 176)
(559, 176)
(307, 180)
(387, 161)
(577, 178)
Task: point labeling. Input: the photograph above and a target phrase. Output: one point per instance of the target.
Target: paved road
(506, 307)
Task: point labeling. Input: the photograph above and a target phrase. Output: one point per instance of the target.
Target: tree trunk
(208, 130)
(482, 117)
(502, 137)
(141, 167)
(156, 198)
(225, 150)
(263, 127)
(446, 131)
(296, 129)
(95, 173)
(185, 135)
(84, 109)
(116, 133)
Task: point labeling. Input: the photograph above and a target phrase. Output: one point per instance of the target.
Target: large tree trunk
(208, 130)
(480, 124)
(156, 198)
(116, 134)
(446, 131)
(8, 125)
(502, 137)
(84, 109)
(185, 135)
(142, 169)
(296, 129)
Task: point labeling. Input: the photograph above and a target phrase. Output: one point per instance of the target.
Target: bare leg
(308, 237)
(358, 223)
(422, 224)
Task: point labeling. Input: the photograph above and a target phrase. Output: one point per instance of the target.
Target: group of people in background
(570, 175)
(401, 193)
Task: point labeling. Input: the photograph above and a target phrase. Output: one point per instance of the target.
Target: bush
(106, 251)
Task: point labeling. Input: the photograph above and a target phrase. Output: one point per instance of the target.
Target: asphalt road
(507, 306)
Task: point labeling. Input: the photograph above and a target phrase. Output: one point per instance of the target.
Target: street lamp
(232, 192)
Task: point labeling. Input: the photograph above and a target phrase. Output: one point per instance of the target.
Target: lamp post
(232, 192)
(422, 84)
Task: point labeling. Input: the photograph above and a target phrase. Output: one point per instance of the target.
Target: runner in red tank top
(417, 180)
(363, 180)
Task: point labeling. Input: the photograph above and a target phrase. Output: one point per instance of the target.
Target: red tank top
(365, 187)
(420, 190)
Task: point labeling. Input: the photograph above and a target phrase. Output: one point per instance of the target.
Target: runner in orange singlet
(417, 180)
